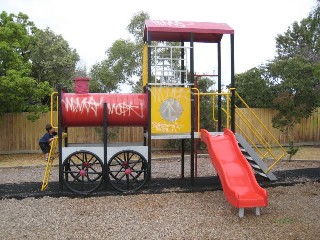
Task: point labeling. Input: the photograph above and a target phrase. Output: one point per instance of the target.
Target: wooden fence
(17, 134)
(307, 132)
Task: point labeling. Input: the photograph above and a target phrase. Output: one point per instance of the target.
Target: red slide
(237, 178)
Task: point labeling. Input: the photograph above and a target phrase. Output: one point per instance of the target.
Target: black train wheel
(82, 171)
(128, 171)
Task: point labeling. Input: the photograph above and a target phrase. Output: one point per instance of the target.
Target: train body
(86, 109)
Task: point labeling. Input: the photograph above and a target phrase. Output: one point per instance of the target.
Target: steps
(258, 166)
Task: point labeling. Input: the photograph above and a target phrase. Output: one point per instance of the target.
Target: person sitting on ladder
(46, 139)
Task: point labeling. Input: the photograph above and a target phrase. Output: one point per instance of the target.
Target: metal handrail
(198, 107)
(54, 95)
(213, 102)
(267, 130)
(264, 143)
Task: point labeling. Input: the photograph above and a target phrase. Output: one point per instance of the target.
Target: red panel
(176, 31)
(87, 109)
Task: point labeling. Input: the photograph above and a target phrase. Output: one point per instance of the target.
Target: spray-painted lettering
(166, 127)
(125, 109)
(83, 105)
(172, 23)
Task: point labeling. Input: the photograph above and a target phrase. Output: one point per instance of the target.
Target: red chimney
(81, 85)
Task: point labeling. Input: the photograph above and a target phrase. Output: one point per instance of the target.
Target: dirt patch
(304, 153)
(22, 160)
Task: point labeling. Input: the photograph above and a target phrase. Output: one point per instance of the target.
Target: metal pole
(192, 108)
(60, 137)
(105, 146)
(182, 62)
(233, 128)
(219, 89)
(182, 159)
(149, 107)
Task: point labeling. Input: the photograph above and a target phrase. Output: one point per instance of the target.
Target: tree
(254, 87)
(301, 39)
(124, 59)
(292, 78)
(81, 69)
(206, 104)
(18, 90)
(136, 26)
(15, 37)
(119, 67)
(297, 92)
(295, 72)
(52, 58)
(102, 78)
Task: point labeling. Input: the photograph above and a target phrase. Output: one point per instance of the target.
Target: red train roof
(177, 31)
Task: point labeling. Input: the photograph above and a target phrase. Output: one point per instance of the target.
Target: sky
(91, 26)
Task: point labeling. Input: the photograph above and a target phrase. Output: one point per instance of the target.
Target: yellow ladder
(47, 172)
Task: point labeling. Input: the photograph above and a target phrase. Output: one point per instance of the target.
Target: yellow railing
(54, 102)
(47, 173)
(213, 95)
(257, 134)
(264, 149)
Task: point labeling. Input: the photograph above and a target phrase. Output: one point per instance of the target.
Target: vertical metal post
(149, 134)
(66, 137)
(182, 159)
(233, 126)
(105, 146)
(182, 81)
(149, 56)
(149, 107)
(219, 89)
(192, 108)
(60, 137)
(144, 136)
(182, 62)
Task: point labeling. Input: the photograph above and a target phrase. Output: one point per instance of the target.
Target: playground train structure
(167, 109)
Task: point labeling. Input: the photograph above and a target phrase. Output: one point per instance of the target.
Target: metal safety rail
(264, 149)
(214, 95)
(258, 142)
(47, 173)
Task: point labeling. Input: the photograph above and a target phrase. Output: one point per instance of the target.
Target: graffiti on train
(90, 104)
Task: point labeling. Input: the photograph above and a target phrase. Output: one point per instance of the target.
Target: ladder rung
(255, 166)
(262, 174)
